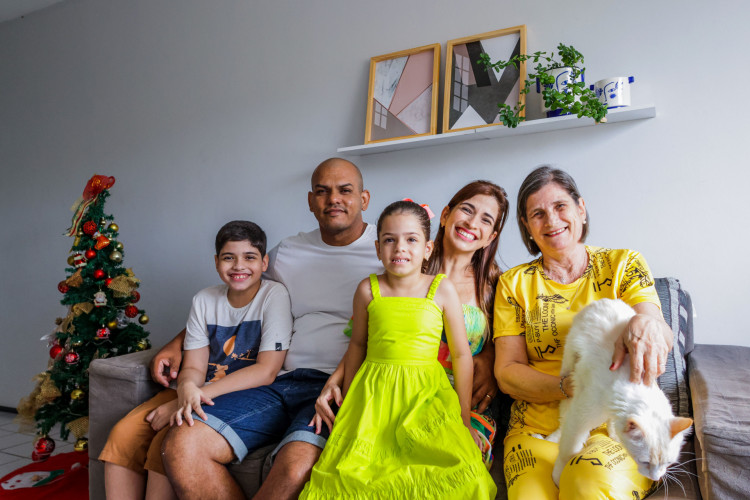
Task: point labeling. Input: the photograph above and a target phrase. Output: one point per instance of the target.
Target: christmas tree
(102, 321)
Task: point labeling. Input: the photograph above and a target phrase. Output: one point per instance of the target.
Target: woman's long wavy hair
(486, 270)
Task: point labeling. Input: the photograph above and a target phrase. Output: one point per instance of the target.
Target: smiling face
(337, 199)
(240, 266)
(471, 224)
(554, 219)
(402, 245)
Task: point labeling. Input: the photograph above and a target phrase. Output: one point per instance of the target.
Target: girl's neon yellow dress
(399, 432)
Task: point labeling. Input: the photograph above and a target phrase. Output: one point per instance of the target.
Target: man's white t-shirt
(321, 280)
(235, 335)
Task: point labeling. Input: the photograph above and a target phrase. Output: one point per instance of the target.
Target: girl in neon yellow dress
(402, 430)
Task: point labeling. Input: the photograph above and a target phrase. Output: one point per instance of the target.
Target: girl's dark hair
(536, 180)
(241, 230)
(409, 207)
(486, 270)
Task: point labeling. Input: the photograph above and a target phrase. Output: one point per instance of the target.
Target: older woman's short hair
(536, 180)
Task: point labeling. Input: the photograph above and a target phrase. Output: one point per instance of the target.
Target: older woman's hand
(648, 341)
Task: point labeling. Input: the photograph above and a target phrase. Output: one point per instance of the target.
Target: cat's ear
(633, 430)
(679, 424)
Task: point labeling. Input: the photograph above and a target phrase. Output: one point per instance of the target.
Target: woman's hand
(159, 417)
(323, 413)
(189, 398)
(484, 386)
(648, 341)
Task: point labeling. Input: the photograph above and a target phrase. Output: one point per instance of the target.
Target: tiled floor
(15, 448)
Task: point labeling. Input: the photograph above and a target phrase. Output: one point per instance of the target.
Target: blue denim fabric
(257, 417)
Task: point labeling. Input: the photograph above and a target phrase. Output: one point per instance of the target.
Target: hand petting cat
(648, 340)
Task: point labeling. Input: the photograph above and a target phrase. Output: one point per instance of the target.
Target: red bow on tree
(93, 189)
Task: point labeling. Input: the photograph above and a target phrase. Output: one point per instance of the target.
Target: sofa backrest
(677, 309)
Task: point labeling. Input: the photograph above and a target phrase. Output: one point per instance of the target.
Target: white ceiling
(13, 9)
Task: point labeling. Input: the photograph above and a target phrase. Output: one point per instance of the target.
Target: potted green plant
(560, 79)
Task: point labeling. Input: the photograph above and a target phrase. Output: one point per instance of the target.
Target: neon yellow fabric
(529, 303)
(399, 432)
(603, 470)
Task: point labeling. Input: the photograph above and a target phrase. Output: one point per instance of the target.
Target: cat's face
(653, 442)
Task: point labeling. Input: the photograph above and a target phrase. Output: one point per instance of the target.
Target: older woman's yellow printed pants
(602, 470)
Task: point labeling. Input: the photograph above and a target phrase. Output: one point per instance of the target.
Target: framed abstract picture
(472, 92)
(403, 94)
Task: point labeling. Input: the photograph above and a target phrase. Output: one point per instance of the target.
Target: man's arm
(168, 360)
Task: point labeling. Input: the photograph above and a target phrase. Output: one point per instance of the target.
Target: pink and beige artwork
(402, 96)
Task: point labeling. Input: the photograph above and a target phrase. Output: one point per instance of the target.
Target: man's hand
(645, 340)
(323, 412)
(484, 384)
(166, 364)
(159, 418)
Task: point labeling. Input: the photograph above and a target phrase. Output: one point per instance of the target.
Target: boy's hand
(323, 413)
(190, 398)
(167, 360)
(159, 417)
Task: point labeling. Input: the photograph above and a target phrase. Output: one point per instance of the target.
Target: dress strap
(374, 286)
(434, 286)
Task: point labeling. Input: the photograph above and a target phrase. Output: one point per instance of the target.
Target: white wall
(208, 111)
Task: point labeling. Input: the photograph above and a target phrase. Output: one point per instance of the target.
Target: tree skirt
(63, 477)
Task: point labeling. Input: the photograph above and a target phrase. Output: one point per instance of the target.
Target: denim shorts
(260, 416)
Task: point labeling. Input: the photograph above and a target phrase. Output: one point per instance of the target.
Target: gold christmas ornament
(81, 444)
(76, 394)
(115, 256)
(114, 227)
(118, 246)
(142, 345)
(70, 260)
(76, 343)
(112, 324)
(143, 319)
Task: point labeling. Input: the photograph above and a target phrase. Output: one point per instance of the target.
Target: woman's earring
(531, 238)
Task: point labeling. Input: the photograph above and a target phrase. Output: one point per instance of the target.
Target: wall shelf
(530, 127)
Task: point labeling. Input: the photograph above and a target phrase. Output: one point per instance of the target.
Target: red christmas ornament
(63, 287)
(131, 311)
(99, 274)
(55, 351)
(72, 358)
(108, 281)
(90, 227)
(43, 448)
(89, 254)
(102, 333)
(136, 296)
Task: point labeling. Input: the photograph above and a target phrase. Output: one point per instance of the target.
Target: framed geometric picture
(402, 98)
(472, 92)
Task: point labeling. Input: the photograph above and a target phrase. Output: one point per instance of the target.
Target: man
(321, 270)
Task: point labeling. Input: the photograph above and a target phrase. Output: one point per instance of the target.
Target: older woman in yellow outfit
(534, 307)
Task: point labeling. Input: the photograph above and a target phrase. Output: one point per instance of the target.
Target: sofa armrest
(721, 409)
(116, 386)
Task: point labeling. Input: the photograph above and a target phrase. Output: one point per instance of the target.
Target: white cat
(638, 416)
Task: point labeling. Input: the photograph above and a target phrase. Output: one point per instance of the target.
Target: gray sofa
(707, 382)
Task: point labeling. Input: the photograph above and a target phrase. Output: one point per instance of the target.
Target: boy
(237, 337)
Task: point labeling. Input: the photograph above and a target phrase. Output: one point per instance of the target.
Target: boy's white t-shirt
(321, 280)
(235, 335)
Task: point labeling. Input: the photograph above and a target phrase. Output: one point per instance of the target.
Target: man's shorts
(132, 443)
(260, 416)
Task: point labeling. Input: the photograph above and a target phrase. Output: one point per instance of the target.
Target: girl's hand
(189, 398)
(159, 417)
(323, 412)
(477, 438)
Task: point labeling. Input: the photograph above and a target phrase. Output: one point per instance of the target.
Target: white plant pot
(563, 77)
(613, 92)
